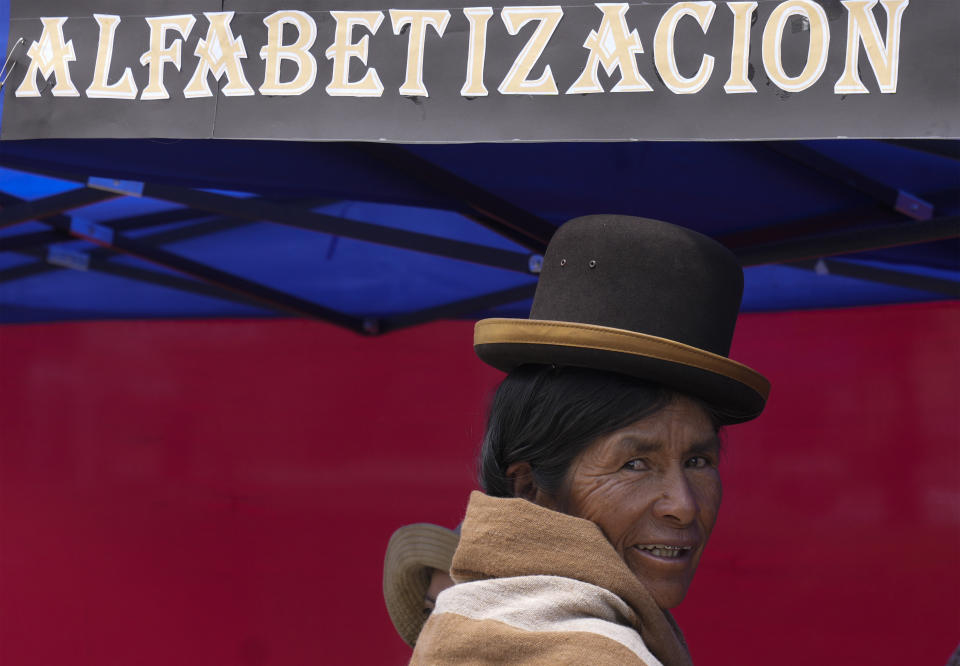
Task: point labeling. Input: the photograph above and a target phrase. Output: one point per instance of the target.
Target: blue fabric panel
(351, 276)
(712, 187)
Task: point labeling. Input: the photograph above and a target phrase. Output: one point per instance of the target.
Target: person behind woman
(416, 569)
(600, 460)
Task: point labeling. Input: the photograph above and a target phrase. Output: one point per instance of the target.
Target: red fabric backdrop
(222, 492)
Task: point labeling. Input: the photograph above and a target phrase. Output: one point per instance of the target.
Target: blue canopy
(227, 229)
(376, 237)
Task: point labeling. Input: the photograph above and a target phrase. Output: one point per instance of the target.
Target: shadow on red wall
(222, 492)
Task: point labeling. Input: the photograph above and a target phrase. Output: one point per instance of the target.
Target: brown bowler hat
(639, 297)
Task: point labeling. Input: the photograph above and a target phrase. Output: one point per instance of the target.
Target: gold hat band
(604, 338)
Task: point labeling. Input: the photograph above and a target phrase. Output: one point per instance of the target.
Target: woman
(600, 460)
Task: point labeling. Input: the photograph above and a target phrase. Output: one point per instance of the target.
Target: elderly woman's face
(654, 490)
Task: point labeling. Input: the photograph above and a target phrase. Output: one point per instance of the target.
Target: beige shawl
(540, 587)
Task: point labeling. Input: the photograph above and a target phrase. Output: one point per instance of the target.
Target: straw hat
(639, 297)
(412, 552)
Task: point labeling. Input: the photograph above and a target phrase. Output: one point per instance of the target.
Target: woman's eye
(637, 464)
(698, 461)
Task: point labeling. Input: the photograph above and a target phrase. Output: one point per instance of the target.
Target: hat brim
(736, 391)
(412, 550)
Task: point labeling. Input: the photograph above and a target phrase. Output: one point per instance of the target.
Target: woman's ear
(521, 478)
(525, 486)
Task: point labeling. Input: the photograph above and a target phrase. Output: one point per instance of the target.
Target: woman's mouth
(665, 551)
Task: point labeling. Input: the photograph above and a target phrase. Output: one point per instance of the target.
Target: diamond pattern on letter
(608, 44)
(214, 49)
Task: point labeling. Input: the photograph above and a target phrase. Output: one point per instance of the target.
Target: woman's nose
(677, 501)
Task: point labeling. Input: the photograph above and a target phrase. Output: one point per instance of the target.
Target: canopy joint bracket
(130, 188)
(97, 233)
(913, 206)
(67, 258)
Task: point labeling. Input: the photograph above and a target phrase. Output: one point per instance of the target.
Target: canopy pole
(49, 209)
(899, 200)
(272, 298)
(40, 209)
(25, 271)
(832, 222)
(52, 260)
(261, 210)
(934, 285)
(25, 242)
(132, 222)
(855, 240)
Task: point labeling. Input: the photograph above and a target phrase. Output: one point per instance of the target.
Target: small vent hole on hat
(593, 263)
(563, 262)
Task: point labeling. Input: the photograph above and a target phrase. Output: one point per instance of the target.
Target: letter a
(50, 55)
(220, 53)
(615, 47)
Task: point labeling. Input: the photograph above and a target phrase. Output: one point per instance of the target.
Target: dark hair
(546, 415)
